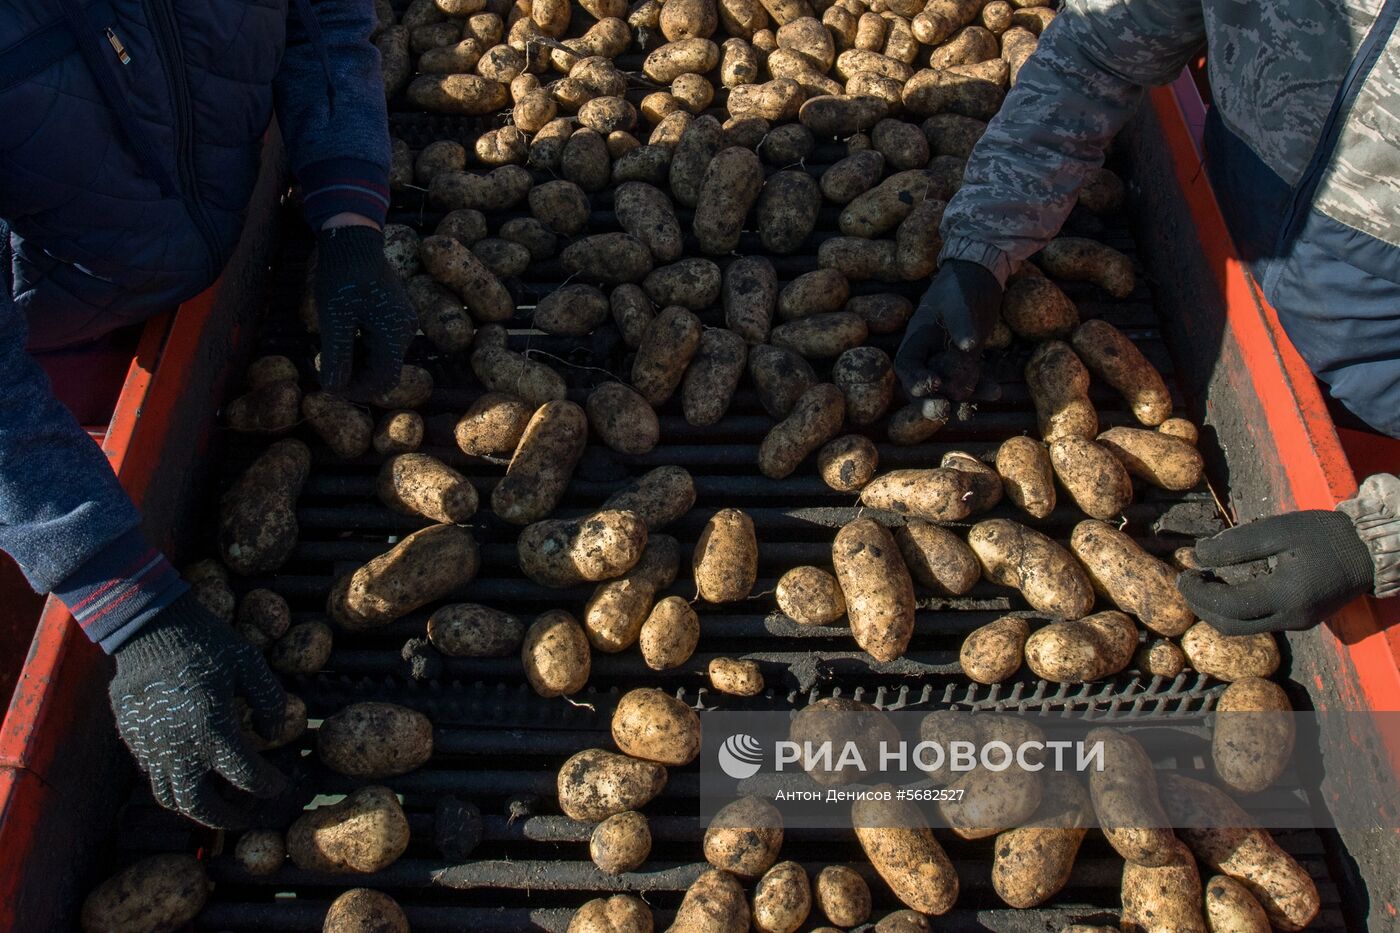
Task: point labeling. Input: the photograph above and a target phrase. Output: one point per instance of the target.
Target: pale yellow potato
(810, 596)
(744, 837)
(726, 557)
(375, 740)
(878, 590)
(1125, 799)
(1082, 650)
(556, 658)
(904, 852)
(1252, 743)
(621, 843)
(651, 724)
(735, 677)
(1137, 582)
(366, 832)
(594, 784)
(992, 653)
(423, 567)
(1027, 475)
(1046, 574)
(939, 495)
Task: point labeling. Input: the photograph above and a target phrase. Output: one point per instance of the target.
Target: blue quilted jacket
(130, 134)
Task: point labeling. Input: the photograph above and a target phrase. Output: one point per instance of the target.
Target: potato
(739, 64)
(594, 784)
(571, 311)
(991, 802)
(859, 259)
(485, 28)
(749, 294)
(669, 634)
(1230, 657)
(396, 63)
(830, 115)
(731, 184)
(1103, 193)
(1092, 476)
(1164, 898)
(442, 315)
(506, 371)
(879, 210)
(839, 721)
(646, 213)
(424, 566)
(668, 345)
(882, 314)
(540, 470)
(918, 242)
(847, 463)
(902, 849)
(975, 91)
(262, 617)
(621, 913)
(616, 611)
(821, 336)
(779, 99)
(465, 225)
(1078, 259)
(726, 558)
(807, 37)
(607, 115)
(1137, 582)
(878, 590)
(937, 558)
(693, 284)
(810, 596)
(585, 160)
(414, 388)
(786, 63)
(366, 832)
(781, 377)
(822, 291)
(566, 552)
(735, 677)
(714, 903)
(992, 653)
(843, 896)
(689, 19)
(652, 725)
(621, 843)
(1082, 650)
(467, 630)
(157, 893)
(815, 419)
(561, 205)
(951, 134)
(452, 264)
(631, 312)
(375, 740)
(742, 17)
(272, 408)
(713, 375)
(1125, 800)
(1045, 573)
(986, 483)
(787, 145)
(659, 497)
(1230, 908)
(360, 910)
(852, 176)
(257, 516)
(1254, 732)
(260, 852)
(417, 484)
(1033, 18)
(344, 427)
(650, 164)
(686, 56)
(666, 137)
(471, 95)
(621, 142)
(1160, 459)
(787, 211)
(782, 899)
(1113, 358)
(622, 419)
(1181, 429)
(493, 425)
(304, 649)
(557, 662)
(747, 130)
(209, 582)
(902, 144)
(1229, 841)
(1059, 387)
(937, 495)
(1160, 658)
(744, 837)
(1032, 863)
(1027, 475)
(1035, 308)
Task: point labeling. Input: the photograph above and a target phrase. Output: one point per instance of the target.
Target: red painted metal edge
(1312, 458)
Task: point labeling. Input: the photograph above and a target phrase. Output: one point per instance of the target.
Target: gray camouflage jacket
(1303, 150)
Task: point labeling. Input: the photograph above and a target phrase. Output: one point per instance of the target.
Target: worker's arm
(1071, 97)
(331, 109)
(1316, 561)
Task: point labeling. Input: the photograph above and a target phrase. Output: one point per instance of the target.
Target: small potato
(693, 92)
(271, 408)
(622, 419)
(506, 145)
(345, 428)
(621, 913)
(1252, 742)
(902, 144)
(843, 896)
(361, 910)
(780, 377)
(1160, 459)
(631, 312)
(566, 552)
(1125, 800)
(992, 653)
(1082, 650)
(742, 17)
(847, 463)
(652, 725)
(533, 111)
(1103, 193)
(852, 176)
(728, 190)
(748, 131)
(493, 425)
(263, 617)
(821, 336)
(938, 495)
(788, 208)
(647, 213)
(621, 843)
(257, 517)
(1160, 658)
(424, 566)
(365, 832)
(375, 740)
(903, 850)
(557, 660)
(669, 634)
(471, 95)
(1164, 898)
(666, 137)
(528, 232)
(1032, 863)
(749, 294)
(418, 484)
(904, 921)
(648, 163)
(667, 347)
(1046, 574)
(726, 558)
(1027, 475)
(1059, 387)
(1137, 582)
(1230, 657)
(814, 420)
(1092, 476)
(616, 611)
(879, 592)
(693, 284)
(659, 497)
(621, 142)
(1181, 429)
(1035, 308)
(1113, 358)
(260, 852)
(714, 903)
(467, 630)
(713, 376)
(917, 240)
(786, 145)
(539, 472)
(560, 205)
(991, 802)
(782, 899)
(160, 892)
(735, 677)
(465, 225)
(1230, 908)
(608, 115)
(937, 558)
(809, 38)
(414, 389)
(396, 60)
(739, 63)
(304, 649)
(810, 596)
(822, 291)
(571, 311)
(695, 55)
(1078, 259)
(398, 432)
(744, 837)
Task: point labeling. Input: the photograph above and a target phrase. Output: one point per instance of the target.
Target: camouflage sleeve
(1078, 89)
(1375, 511)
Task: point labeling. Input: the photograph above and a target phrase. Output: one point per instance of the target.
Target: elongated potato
(1254, 733)
(1137, 582)
(819, 292)
(1181, 429)
(574, 310)
(726, 557)
(418, 484)
(610, 258)
(731, 185)
(647, 213)
(563, 552)
(750, 294)
(1030, 864)
(938, 495)
(1027, 475)
(617, 609)
(780, 377)
(735, 677)
(879, 210)
(821, 336)
(1083, 260)
(467, 630)
(1082, 650)
(713, 375)
(903, 850)
(668, 345)
(852, 176)
(815, 419)
(622, 419)
(159, 892)
(992, 653)
(744, 837)
(714, 903)
(986, 484)
(595, 784)
(560, 205)
(556, 659)
(1046, 574)
(669, 634)
(503, 370)
(937, 558)
(1035, 308)
(344, 427)
(1164, 898)
(375, 740)
(257, 516)
(879, 592)
(1230, 657)
(458, 93)
(693, 284)
(1094, 478)
(859, 259)
(543, 463)
(696, 55)
(659, 497)
(865, 376)
(1160, 459)
(497, 190)
(631, 312)
(1113, 358)
(1059, 386)
(917, 422)
(787, 211)
(424, 566)
(1127, 804)
(452, 264)
(810, 596)
(652, 725)
(1230, 908)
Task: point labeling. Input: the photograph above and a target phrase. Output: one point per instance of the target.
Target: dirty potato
(937, 558)
(713, 376)
(1230, 657)
(992, 653)
(726, 557)
(566, 552)
(1093, 477)
(810, 596)
(1137, 582)
(847, 463)
(1046, 574)
(365, 832)
(714, 903)
(622, 419)
(904, 852)
(594, 784)
(493, 425)
(159, 892)
(780, 377)
(556, 659)
(375, 740)
(1252, 742)
(669, 634)
(744, 837)
(1059, 387)
(1160, 459)
(467, 630)
(814, 420)
(667, 347)
(749, 294)
(735, 677)
(424, 566)
(843, 896)
(878, 590)
(1027, 475)
(419, 484)
(540, 470)
(653, 725)
(621, 843)
(1082, 650)
(659, 497)
(939, 495)
(1080, 259)
(1117, 361)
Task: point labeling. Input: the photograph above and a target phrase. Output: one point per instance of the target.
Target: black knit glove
(1316, 564)
(173, 698)
(942, 349)
(359, 293)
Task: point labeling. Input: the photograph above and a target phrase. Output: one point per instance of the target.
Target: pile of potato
(637, 153)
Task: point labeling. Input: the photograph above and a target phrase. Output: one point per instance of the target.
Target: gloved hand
(173, 696)
(1317, 563)
(942, 349)
(359, 293)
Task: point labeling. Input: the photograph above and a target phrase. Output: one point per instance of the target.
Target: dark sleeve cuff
(337, 186)
(119, 589)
